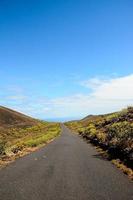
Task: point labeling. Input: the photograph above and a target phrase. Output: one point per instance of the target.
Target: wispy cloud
(94, 83)
(17, 97)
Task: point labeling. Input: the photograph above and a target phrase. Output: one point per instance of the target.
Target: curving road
(66, 169)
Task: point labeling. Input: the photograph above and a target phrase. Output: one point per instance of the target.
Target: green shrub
(121, 134)
(120, 130)
(101, 136)
(91, 130)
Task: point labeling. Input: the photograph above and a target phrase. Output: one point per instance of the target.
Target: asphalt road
(66, 169)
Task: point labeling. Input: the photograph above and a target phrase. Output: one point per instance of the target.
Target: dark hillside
(9, 118)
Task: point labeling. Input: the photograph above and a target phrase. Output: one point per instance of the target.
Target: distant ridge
(9, 118)
(87, 117)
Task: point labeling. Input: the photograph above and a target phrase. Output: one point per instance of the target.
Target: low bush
(121, 134)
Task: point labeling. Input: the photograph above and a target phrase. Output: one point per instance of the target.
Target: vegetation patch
(15, 142)
(124, 168)
(111, 132)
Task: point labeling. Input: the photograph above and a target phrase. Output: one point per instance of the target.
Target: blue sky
(56, 56)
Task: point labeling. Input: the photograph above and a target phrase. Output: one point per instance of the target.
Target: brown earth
(10, 118)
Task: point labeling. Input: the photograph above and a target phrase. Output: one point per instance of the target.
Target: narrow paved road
(66, 169)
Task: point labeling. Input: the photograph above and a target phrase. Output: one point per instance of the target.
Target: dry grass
(125, 169)
(7, 159)
(20, 134)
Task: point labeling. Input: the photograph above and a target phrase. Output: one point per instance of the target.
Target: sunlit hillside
(19, 132)
(113, 132)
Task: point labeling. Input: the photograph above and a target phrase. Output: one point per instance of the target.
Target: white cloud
(107, 95)
(116, 89)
